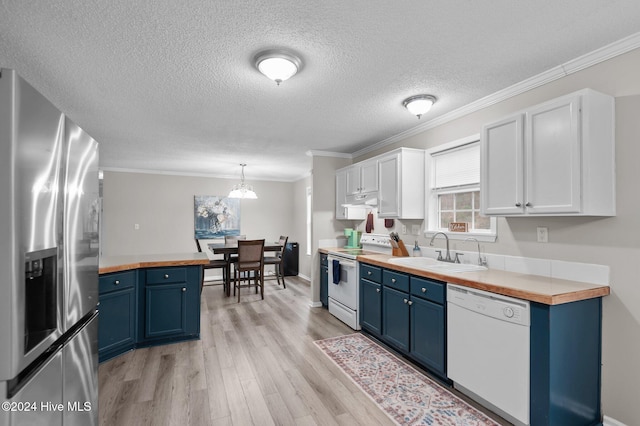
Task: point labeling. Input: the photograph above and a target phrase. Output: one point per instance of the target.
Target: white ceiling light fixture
(243, 190)
(419, 104)
(277, 64)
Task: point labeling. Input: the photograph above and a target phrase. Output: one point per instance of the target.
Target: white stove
(344, 279)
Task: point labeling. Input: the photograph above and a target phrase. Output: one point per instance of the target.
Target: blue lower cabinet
(566, 347)
(395, 318)
(169, 304)
(428, 344)
(117, 318)
(371, 307)
(147, 307)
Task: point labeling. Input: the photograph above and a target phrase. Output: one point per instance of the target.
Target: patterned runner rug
(407, 396)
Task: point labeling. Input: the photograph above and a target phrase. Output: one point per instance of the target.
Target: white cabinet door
(388, 202)
(353, 180)
(553, 157)
(501, 172)
(369, 176)
(341, 194)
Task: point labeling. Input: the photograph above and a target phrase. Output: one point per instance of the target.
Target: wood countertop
(535, 288)
(127, 262)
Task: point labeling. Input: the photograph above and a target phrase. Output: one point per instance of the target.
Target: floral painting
(215, 217)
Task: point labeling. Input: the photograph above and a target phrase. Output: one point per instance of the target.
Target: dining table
(230, 248)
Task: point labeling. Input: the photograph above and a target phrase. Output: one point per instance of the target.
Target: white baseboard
(608, 421)
(304, 277)
(315, 304)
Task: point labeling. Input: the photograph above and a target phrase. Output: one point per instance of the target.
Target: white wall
(163, 207)
(611, 241)
(324, 223)
(300, 224)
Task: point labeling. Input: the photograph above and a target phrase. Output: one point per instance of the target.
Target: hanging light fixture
(419, 104)
(278, 65)
(243, 190)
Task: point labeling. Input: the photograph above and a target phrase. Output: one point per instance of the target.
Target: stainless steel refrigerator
(49, 206)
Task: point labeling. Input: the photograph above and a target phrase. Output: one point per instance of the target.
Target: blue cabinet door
(395, 318)
(428, 334)
(166, 310)
(116, 322)
(371, 306)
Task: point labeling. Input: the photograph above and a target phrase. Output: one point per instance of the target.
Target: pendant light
(243, 190)
(419, 104)
(277, 64)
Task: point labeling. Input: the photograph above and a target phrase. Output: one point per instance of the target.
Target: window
(453, 183)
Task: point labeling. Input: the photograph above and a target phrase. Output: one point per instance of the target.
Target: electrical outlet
(415, 229)
(404, 229)
(136, 226)
(543, 234)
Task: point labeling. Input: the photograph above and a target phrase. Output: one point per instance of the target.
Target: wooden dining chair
(213, 264)
(250, 259)
(278, 260)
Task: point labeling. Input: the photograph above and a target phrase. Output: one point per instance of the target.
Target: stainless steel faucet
(481, 261)
(448, 254)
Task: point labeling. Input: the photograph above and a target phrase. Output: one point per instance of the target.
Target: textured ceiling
(170, 85)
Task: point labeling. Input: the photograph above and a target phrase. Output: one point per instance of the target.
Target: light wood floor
(255, 364)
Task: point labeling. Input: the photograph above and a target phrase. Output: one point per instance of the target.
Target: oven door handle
(343, 261)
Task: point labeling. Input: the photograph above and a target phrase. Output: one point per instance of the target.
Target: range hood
(362, 200)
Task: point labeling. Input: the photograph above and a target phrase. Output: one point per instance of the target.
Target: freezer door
(80, 392)
(81, 208)
(45, 391)
(31, 150)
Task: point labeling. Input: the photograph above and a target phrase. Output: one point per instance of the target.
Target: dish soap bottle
(416, 250)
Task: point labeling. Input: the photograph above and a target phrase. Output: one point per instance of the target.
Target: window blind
(456, 167)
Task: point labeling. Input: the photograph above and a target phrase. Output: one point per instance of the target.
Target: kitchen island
(407, 308)
(148, 300)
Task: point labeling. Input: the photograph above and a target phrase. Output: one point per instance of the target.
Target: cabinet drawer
(166, 275)
(428, 289)
(117, 281)
(372, 273)
(395, 280)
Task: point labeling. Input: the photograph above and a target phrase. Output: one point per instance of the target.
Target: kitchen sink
(430, 264)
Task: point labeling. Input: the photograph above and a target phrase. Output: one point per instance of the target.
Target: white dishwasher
(488, 350)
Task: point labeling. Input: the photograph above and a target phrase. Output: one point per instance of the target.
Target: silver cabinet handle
(116, 282)
(518, 204)
(393, 280)
(424, 290)
(410, 303)
(368, 272)
(377, 290)
(184, 289)
(529, 205)
(166, 276)
(405, 300)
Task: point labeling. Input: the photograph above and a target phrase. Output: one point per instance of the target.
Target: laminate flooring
(255, 364)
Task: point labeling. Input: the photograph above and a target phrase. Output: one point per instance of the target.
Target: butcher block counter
(110, 264)
(535, 288)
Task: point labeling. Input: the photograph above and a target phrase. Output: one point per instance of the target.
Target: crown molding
(318, 153)
(585, 61)
(191, 174)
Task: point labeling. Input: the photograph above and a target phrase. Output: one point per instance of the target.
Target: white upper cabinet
(362, 177)
(554, 159)
(401, 188)
(343, 212)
